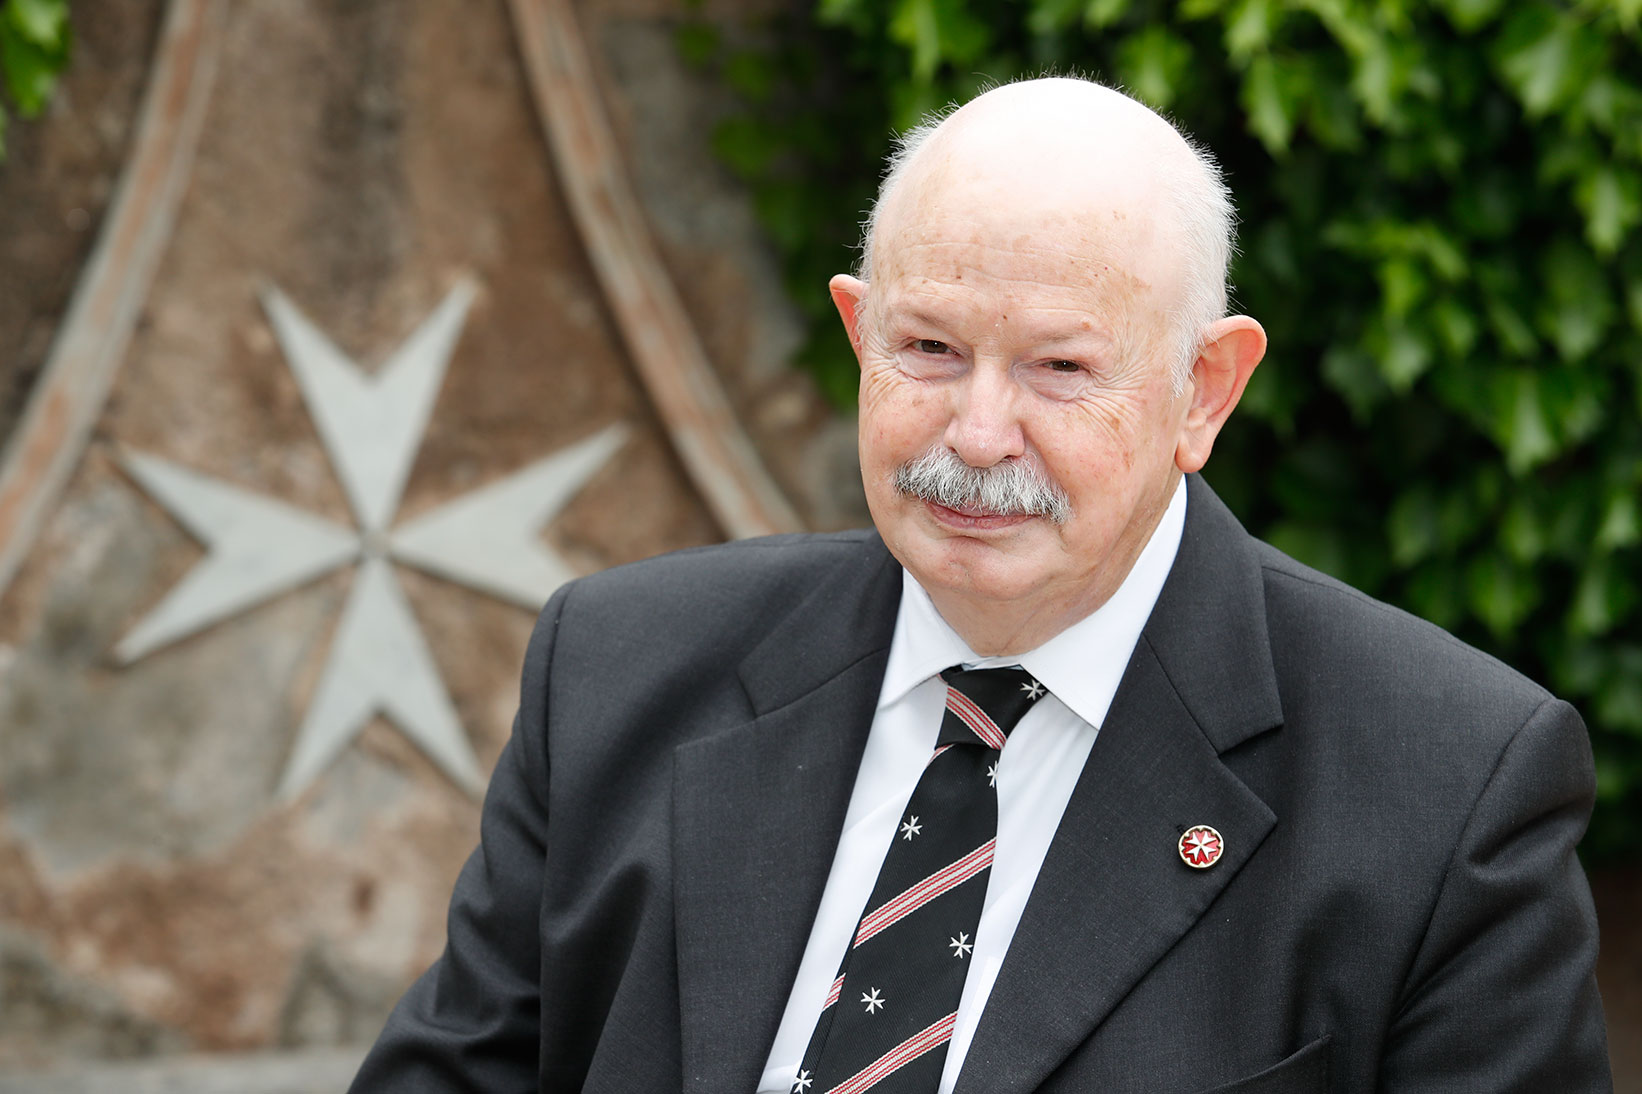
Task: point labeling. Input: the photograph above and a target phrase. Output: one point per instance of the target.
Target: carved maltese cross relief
(258, 548)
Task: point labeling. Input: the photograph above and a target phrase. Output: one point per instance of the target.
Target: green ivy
(1440, 202)
(34, 48)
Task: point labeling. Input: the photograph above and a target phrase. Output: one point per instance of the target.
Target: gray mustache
(1014, 486)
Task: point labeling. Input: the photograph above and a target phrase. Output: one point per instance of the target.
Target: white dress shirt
(1037, 771)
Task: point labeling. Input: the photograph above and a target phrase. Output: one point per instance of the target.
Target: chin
(971, 567)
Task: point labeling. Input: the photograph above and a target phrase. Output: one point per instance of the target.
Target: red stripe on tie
(975, 718)
(898, 1057)
(925, 891)
(937, 752)
(832, 996)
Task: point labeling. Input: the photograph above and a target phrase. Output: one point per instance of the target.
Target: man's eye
(930, 345)
(1063, 366)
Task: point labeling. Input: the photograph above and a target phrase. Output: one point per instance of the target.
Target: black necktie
(889, 1016)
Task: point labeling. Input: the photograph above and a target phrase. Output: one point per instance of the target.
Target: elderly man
(1064, 783)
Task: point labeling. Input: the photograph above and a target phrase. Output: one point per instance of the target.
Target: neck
(994, 628)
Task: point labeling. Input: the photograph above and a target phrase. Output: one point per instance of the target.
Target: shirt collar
(1081, 665)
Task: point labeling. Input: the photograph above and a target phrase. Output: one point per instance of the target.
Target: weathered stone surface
(104, 765)
(316, 1071)
(361, 156)
(44, 1012)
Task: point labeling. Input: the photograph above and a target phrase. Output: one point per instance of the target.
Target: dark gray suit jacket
(1399, 906)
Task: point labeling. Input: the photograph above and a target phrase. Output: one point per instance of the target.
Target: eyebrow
(1036, 336)
(927, 318)
(1067, 337)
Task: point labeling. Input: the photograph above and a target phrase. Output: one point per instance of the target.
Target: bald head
(1066, 151)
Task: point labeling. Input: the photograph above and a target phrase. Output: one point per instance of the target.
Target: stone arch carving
(92, 339)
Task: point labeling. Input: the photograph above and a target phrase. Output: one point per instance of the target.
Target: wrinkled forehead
(1014, 232)
(1067, 226)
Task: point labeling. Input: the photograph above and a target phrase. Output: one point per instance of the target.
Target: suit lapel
(1113, 895)
(758, 810)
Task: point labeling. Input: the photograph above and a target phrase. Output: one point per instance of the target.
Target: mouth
(974, 520)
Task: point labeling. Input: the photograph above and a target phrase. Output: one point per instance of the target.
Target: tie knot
(983, 705)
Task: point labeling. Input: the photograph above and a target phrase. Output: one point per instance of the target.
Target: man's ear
(849, 296)
(1232, 347)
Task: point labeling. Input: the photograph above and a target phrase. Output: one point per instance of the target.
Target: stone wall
(367, 163)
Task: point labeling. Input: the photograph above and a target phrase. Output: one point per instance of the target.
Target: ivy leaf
(1633, 305)
(1628, 11)
(1052, 16)
(1376, 81)
(1575, 401)
(1621, 524)
(1605, 595)
(1249, 28)
(1403, 355)
(1351, 372)
(1510, 328)
(31, 72)
(850, 13)
(1522, 531)
(1402, 285)
(1470, 16)
(1439, 251)
(1103, 13)
(1332, 116)
(1155, 64)
(1412, 525)
(1520, 424)
(1610, 103)
(1547, 56)
(1201, 9)
(1500, 592)
(937, 31)
(1579, 306)
(1619, 702)
(43, 23)
(1456, 325)
(1355, 28)
(1271, 102)
(1611, 199)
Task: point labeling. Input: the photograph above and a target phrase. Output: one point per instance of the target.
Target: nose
(984, 427)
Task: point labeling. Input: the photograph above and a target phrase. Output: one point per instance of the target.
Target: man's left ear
(1231, 348)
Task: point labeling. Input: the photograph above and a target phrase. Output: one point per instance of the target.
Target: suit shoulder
(1384, 649)
(762, 561)
(740, 579)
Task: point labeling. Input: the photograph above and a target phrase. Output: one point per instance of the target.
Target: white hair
(1196, 195)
